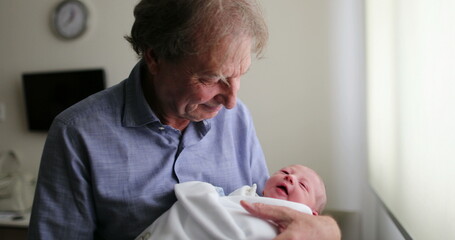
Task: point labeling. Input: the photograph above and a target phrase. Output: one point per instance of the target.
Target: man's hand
(293, 225)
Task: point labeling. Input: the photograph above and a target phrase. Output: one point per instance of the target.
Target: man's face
(193, 88)
(295, 183)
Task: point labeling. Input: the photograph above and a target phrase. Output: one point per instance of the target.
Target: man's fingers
(293, 224)
(278, 214)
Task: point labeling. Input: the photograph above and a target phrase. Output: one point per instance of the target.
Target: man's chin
(204, 116)
(210, 115)
(209, 109)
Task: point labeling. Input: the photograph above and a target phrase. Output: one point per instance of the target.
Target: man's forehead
(213, 67)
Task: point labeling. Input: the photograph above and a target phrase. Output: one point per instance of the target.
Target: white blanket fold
(200, 213)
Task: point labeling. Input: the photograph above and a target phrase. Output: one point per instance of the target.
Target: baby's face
(294, 183)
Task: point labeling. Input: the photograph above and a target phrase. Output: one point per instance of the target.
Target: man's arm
(62, 207)
(295, 225)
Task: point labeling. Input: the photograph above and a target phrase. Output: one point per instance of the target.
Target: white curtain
(411, 112)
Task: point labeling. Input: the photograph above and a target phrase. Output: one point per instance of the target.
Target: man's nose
(228, 94)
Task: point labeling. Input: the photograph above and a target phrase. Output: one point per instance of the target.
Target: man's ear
(152, 61)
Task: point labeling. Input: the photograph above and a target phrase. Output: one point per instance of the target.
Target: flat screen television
(49, 93)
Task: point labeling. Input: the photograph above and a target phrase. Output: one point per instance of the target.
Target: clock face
(70, 19)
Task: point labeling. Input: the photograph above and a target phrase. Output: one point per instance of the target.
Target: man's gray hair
(175, 29)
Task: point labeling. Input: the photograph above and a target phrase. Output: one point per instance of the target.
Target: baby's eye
(303, 186)
(285, 172)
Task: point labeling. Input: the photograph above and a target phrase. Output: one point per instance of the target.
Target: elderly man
(111, 161)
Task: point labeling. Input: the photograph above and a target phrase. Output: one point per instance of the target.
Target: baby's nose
(289, 178)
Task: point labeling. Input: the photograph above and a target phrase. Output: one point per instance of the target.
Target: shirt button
(161, 128)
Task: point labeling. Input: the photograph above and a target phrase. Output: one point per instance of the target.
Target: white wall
(295, 98)
(288, 91)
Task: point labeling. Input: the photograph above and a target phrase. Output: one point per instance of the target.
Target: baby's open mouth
(282, 187)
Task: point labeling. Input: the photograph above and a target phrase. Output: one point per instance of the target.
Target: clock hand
(71, 17)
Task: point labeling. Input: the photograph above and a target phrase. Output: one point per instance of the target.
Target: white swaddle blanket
(201, 213)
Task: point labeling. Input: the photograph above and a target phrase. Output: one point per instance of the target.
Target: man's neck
(155, 104)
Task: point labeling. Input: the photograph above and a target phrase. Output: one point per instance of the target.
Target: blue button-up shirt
(109, 165)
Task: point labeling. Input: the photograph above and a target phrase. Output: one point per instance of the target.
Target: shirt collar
(137, 111)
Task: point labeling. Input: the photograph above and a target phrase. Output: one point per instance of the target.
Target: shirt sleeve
(63, 205)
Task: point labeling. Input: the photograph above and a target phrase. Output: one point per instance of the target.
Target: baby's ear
(315, 213)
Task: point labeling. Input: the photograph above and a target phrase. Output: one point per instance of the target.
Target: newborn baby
(201, 212)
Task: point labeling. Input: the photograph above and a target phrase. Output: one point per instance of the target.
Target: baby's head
(297, 183)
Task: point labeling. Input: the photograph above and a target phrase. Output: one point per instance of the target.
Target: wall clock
(70, 19)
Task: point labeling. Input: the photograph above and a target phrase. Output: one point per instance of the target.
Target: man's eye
(209, 81)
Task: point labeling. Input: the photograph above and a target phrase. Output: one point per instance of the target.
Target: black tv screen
(49, 93)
